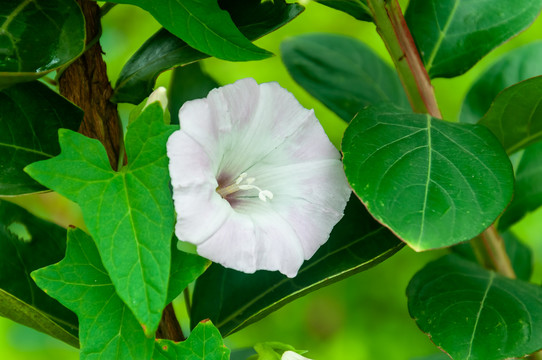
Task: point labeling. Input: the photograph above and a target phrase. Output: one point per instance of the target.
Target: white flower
(290, 355)
(256, 182)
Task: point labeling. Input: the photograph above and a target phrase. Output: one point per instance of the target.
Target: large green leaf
(356, 243)
(204, 26)
(128, 213)
(26, 244)
(474, 314)
(204, 343)
(452, 35)
(515, 116)
(528, 194)
(357, 8)
(164, 50)
(38, 36)
(341, 72)
(30, 117)
(515, 66)
(520, 255)
(432, 182)
(188, 82)
(108, 329)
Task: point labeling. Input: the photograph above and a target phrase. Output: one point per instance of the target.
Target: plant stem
(392, 27)
(393, 30)
(169, 327)
(186, 293)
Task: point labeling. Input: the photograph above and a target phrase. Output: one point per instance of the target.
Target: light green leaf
(203, 25)
(341, 72)
(37, 37)
(128, 213)
(432, 182)
(515, 66)
(30, 117)
(108, 329)
(204, 343)
(28, 243)
(357, 8)
(528, 194)
(475, 314)
(356, 243)
(452, 35)
(163, 50)
(515, 116)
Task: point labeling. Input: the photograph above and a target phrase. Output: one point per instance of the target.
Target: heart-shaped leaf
(26, 244)
(30, 117)
(356, 243)
(37, 37)
(474, 314)
(432, 182)
(204, 343)
(515, 66)
(163, 50)
(515, 116)
(341, 72)
(452, 35)
(128, 213)
(528, 195)
(357, 8)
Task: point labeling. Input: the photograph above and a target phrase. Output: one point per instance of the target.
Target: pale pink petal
(291, 355)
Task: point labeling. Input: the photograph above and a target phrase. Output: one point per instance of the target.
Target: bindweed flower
(257, 185)
(290, 355)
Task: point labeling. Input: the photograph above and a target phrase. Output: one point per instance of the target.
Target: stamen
(247, 185)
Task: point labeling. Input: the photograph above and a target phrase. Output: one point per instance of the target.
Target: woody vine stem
(391, 26)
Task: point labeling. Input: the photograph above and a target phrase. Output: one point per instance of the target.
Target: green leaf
(515, 66)
(188, 82)
(434, 183)
(515, 116)
(528, 194)
(357, 243)
(474, 314)
(28, 243)
(108, 329)
(452, 35)
(37, 37)
(204, 343)
(128, 213)
(30, 117)
(357, 8)
(202, 25)
(341, 72)
(520, 255)
(163, 50)
(439, 356)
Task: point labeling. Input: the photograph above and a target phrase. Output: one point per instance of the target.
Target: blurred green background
(363, 317)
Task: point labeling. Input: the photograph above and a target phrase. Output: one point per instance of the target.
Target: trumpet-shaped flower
(256, 182)
(290, 355)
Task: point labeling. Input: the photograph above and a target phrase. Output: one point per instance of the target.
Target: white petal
(291, 355)
(159, 95)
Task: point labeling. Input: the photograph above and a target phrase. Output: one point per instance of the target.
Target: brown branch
(169, 327)
(86, 84)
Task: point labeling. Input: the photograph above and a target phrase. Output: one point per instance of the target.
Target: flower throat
(243, 182)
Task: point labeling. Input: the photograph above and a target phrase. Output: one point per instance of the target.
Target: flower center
(243, 182)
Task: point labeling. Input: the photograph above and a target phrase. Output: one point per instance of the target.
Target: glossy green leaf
(434, 183)
(341, 72)
(128, 213)
(163, 50)
(520, 255)
(515, 66)
(357, 243)
(474, 314)
(30, 117)
(108, 329)
(204, 343)
(357, 8)
(38, 36)
(452, 35)
(204, 26)
(528, 193)
(188, 82)
(515, 116)
(439, 356)
(26, 244)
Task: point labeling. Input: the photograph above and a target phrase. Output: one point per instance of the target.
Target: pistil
(243, 182)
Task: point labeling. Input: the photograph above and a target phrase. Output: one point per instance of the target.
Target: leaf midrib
(489, 283)
(442, 34)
